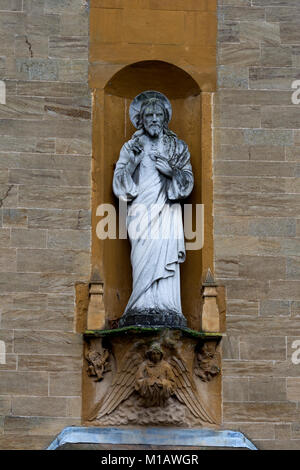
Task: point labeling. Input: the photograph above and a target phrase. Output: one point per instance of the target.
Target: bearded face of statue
(153, 119)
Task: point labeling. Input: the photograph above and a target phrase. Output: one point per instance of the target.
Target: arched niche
(111, 128)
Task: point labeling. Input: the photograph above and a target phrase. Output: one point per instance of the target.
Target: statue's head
(153, 117)
(151, 111)
(154, 353)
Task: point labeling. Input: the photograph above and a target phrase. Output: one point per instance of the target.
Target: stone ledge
(202, 438)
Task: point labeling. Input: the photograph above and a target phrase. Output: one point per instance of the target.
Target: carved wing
(121, 388)
(186, 391)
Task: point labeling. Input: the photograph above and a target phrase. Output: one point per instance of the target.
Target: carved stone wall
(45, 160)
(256, 223)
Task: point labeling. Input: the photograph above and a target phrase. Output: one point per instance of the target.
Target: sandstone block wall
(45, 158)
(257, 216)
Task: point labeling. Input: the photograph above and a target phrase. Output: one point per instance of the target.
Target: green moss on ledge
(149, 330)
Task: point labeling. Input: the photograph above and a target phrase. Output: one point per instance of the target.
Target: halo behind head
(139, 100)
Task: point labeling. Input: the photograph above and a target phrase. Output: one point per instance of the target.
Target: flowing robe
(154, 221)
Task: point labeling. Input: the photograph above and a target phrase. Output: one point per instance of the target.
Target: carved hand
(163, 166)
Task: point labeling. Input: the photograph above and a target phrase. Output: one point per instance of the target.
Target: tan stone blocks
(267, 390)
(272, 227)
(235, 389)
(256, 32)
(230, 347)
(289, 33)
(37, 320)
(29, 238)
(280, 56)
(47, 342)
(262, 267)
(293, 389)
(63, 6)
(23, 383)
(75, 198)
(242, 13)
(69, 239)
(49, 363)
(273, 78)
(238, 116)
(59, 219)
(11, 5)
(244, 54)
(270, 308)
(289, 290)
(242, 307)
(74, 47)
(65, 384)
(37, 426)
(233, 77)
(254, 97)
(197, 5)
(39, 406)
(263, 326)
(262, 412)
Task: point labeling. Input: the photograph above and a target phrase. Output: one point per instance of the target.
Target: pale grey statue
(153, 174)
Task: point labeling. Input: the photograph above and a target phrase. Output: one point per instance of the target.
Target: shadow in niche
(111, 129)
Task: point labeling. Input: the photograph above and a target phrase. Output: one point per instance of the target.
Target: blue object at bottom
(152, 436)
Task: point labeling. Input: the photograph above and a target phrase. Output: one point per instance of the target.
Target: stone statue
(152, 174)
(155, 380)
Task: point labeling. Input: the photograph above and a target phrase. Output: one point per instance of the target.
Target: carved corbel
(96, 310)
(210, 320)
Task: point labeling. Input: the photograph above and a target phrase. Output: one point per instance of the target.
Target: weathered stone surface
(23, 383)
(289, 33)
(230, 347)
(64, 384)
(255, 430)
(261, 412)
(273, 78)
(37, 320)
(36, 426)
(270, 308)
(272, 227)
(242, 307)
(262, 326)
(262, 348)
(267, 390)
(47, 342)
(235, 389)
(11, 5)
(55, 197)
(69, 239)
(262, 267)
(39, 406)
(293, 389)
(59, 219)
(240, 13)
(276, 56)
(68, 46)
(243, 54)
(259, 32)
(233, 77)
(238, 116)
(21, 238)
(49, 363)
(231, 225)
